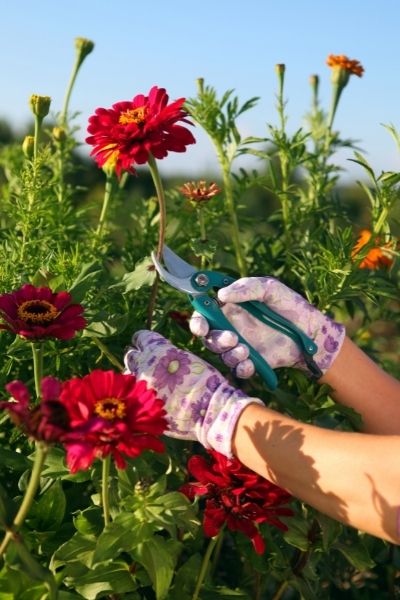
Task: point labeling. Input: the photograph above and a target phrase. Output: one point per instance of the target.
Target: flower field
(95, 500)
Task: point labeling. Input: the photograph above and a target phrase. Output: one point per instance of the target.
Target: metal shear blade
(179, 272)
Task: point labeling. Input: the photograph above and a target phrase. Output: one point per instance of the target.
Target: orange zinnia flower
(377, 257)
(199, 191)
(341, 61)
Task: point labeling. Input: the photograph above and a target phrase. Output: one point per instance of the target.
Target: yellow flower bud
(280, 69)
(40, 105)
(59, 135)
(28, 146)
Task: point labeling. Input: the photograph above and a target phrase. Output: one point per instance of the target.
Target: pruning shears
(200, 285)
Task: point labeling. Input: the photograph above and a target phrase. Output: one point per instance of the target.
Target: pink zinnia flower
(47, 421)
(128, 132)
(38, 312)
(111, 413)
(237, 496)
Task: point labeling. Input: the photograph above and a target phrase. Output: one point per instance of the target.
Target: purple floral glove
(277, 349)
(201, 405)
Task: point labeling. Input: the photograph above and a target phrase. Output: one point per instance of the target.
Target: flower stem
(280, 590)
(230, 204)
(67, 97)
(205, 564)
(37, 352)
(40, 455)
(113, 359)
(203, 235)
(108, 191)
(105, 489)
(161, 231)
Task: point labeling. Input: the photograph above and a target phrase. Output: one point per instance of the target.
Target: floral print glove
(201, 405)
(277, 349)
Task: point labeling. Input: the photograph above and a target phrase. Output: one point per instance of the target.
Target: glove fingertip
(198, 325)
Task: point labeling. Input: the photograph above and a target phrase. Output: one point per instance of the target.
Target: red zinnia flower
(378, 256)
(111, 413)
(130, 131)
(37, 313)
(47, 421)
(237, 496)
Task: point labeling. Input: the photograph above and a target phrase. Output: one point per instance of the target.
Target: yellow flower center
(37, 312)
(110, 408)
(134, 115)
(173, 366)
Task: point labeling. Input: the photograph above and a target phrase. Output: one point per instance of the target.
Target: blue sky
(231, 43)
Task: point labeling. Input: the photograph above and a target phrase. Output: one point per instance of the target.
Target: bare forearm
(352, 477)
(361, 384)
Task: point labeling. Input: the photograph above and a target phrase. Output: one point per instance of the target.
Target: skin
(352, 477)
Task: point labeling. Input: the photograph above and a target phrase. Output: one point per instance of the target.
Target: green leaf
(111, 325)
(85, 280)
(121, 535)
(159, 556)
(113, 577)
(14, 460)
(330, 530)
(206, 248)
(78, 548)
(143, 274)
(47, 513)
(56, 468)
(356, 553)
(297, 535)
(89, 521)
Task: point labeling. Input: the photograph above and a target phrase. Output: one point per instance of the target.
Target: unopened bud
(280, 69)
(28, 146)
(200, 85)
(40, 105)
(59, 135)
(83, 47)
(314, 81)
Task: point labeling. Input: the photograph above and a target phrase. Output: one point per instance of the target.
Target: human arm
(351, 477)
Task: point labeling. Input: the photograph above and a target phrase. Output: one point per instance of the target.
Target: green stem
(40, 455)
(113, 359)
(106, 201)
(205, 564)
(280, 590)
(203, 235)
(382, 218)
(67, 97)
(105, 489)
(37, 352)
(230, 204)
(36, 137)
(161, 232)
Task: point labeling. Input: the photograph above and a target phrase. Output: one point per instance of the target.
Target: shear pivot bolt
(201, 280)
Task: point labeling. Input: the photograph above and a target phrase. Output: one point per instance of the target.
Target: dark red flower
(237, 496)
(111, 413)
(47, 421)
(37, 313)
(130, 131)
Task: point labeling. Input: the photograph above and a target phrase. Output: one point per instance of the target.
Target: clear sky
(231, 43)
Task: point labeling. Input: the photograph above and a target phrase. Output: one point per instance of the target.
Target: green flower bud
(28, 146)
(59, 135)
(280, 69)
(40, 105)
(83, 47)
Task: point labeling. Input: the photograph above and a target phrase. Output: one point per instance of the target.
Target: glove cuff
(226, 404)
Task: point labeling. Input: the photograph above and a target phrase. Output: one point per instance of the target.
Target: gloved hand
(201, 405)
(277, 349)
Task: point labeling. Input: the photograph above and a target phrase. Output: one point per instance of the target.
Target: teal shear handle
(210, 309)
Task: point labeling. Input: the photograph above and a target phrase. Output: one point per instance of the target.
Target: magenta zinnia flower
(130, 131)
(111, 413)
(237, 496)
(47, 421)
(38, 312)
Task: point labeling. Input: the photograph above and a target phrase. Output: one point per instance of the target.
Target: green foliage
(287, 218)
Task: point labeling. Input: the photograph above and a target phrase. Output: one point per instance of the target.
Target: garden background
(299, 182)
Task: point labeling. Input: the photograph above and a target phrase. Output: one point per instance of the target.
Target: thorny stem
(40, 455)
(105, 489)
(284, 161)
(204, 565)
(161, 232)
